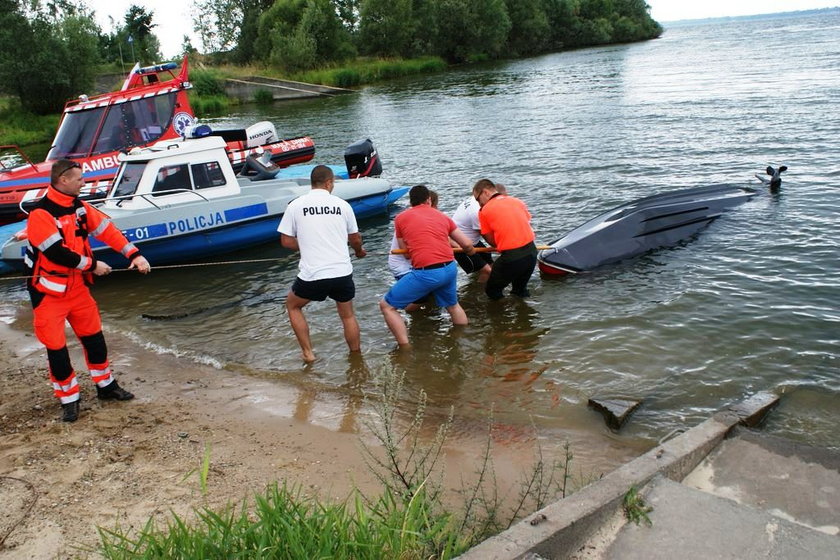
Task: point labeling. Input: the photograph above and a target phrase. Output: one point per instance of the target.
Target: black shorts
(340, 289)
(474, 263)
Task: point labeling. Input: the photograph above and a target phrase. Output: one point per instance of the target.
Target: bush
(263, 97)
(209, 105)
(346, 78)
(207, 83)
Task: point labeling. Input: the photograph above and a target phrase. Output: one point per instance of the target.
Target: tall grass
(406, 521)
(365, 71)
(283, 523)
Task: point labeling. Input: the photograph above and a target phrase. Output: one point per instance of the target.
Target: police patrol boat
(640, 226)
(152, 105)
(180, 200)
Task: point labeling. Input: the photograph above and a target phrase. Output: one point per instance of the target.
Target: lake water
(750, 304)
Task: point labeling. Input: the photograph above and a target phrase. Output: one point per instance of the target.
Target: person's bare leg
(351, 326)
(459, 316)
(484, 274)
(395, 322)
(294, 306)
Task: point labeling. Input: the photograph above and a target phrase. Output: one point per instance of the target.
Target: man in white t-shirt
(466, 218)
(320, 226)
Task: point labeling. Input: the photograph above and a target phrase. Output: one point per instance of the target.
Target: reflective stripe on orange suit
(59, 227)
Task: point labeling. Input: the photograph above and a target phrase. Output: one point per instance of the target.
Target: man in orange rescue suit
(506, 224)
(62, 266)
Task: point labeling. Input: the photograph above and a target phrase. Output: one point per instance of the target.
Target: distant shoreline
(726, 19)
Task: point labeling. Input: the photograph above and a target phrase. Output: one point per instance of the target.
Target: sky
(174, 17)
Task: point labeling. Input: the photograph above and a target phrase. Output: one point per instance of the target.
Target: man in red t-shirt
(506, 224)
(425, 232)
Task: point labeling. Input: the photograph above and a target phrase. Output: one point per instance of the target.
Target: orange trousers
(78, 308)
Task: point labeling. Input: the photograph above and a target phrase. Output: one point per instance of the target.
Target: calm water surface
(750, 304)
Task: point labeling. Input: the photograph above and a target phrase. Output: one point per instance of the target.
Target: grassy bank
(366, 71)
(23, 128)
(208, 98)
(357, 72)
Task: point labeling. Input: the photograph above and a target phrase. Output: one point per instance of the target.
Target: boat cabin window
(172, 178)
(76, 133)
(127, 124)
(129, 179)
(208, 175)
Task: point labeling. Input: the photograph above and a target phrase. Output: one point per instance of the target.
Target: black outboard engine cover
(362, 160)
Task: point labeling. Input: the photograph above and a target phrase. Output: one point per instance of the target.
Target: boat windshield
(129, 179)
(128, 124)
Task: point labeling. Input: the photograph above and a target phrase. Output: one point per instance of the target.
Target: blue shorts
(442, 282)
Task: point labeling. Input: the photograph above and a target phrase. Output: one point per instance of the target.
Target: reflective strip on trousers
(102, 377)
(66, 391)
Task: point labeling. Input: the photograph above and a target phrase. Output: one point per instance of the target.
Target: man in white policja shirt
(320, 225)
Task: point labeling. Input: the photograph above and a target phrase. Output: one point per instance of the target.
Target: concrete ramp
(716, 491)
(246, 89)
(691, 524)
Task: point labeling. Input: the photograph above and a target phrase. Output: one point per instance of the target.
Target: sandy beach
(122, 463)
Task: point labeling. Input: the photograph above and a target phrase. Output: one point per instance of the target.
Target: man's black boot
(71, 411)
(113, 392)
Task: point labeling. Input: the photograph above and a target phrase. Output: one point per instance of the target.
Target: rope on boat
(251, 261)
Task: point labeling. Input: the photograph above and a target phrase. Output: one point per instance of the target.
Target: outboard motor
(362, 160)
(259, 134)
(775, 181)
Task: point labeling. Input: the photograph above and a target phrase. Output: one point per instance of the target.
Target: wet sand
(121, 463)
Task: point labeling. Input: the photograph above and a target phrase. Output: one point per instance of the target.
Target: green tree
(47, 53)
(229, 25)
(137, 35)
(348, 11)
(301, 34)
(491, 25)
(472, 28)
(187, 47)
(280, 20)
(386, 27)
(424, 39)
(529, 32)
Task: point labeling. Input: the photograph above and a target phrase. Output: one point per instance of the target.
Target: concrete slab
(790, 480)
(689, 524)
(561, 529)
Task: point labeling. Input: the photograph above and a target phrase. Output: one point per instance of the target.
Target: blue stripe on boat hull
(217, 241)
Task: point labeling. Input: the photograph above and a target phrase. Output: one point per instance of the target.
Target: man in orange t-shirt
(506, 224)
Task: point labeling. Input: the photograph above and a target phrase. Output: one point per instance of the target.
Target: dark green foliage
(470, 28)
(46, 57)
(386, 27)
(530, 32)
(301, 34)
(263, 97)
(207, 82)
